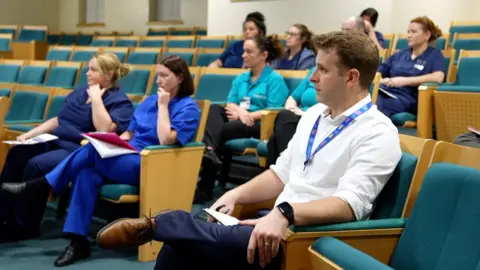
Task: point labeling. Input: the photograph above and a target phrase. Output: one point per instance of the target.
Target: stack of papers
(37, 139)
(221, 217)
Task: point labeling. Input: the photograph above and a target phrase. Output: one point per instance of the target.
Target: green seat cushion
(399, 119)
(239, 145)
(115, 191)
(262, 149)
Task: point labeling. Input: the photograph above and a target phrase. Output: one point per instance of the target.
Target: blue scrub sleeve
(438, 63)
(380, 39)
(307, 63)
(121, 112)
(277, 92)
(233, 94)
(226, 53)
(301, 88)
(132, 125)
(185, 122)
(385, 67)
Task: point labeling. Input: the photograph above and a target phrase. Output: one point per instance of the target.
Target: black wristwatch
(287, 211)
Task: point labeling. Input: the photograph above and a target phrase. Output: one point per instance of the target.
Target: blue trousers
(25, 163)
(87, 171)
(190, 243)
(391, 106)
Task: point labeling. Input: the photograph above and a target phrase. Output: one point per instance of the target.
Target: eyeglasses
(292, 34)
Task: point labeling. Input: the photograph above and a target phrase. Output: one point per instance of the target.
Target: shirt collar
(350, 110)
(265, 73)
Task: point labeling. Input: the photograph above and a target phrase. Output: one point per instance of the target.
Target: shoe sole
(122, 219)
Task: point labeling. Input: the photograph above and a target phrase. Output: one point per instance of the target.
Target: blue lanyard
(331, 136)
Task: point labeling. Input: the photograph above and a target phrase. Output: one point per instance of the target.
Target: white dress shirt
(354, 166)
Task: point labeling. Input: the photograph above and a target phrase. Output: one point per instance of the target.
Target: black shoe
(16, 189)
(210, 158)
(72, 254)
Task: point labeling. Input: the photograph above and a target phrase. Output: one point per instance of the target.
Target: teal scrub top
(270, 90)
(305, 94)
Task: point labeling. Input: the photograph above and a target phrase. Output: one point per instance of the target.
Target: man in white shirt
(341, 156)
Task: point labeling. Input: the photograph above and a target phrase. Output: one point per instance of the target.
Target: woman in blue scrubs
(252, 91)
(300, 54)
(254, 25)
(100, 106)
(370, 15)
(407, 69)
(302, 98)
(168, 117)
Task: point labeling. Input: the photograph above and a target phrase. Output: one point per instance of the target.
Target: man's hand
(224, 204)
(269, 231)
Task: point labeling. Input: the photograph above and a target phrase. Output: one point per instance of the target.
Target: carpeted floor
(40, 253)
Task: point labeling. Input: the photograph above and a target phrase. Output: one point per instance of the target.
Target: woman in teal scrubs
(304, 97)
(231, 57)
(407, 69)
(252, 91)
(169, 117)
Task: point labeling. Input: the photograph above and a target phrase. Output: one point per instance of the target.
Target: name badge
(419, 67)
(245, 103)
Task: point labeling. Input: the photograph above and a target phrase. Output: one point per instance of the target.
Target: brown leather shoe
(127, 232)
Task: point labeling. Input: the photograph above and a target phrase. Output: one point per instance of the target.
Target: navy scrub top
(402, 65)
(232, 55)
(75, 116)
(184, 118)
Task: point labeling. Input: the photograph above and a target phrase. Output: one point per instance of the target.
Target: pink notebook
(111, 138)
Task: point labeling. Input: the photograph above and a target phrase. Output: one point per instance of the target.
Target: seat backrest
(61, 77)
(154, 43)
(187, 43)
(442, 232)
(67, 39)
(402, 43)
(135, 82)
(32, 34)
(187, 56)
(391, 201)
(126, 43)
(58, 55)
(463, 29)
(467, 71)
(204, 106)
(9, 73)
(55, 106)
(27, 105)
(5, 44)
(214, 87)
(210, 43)
(32, 75)
(142, 58)
(82, 56)
(102, 43)
(82, 77)
(84, 39)
(205, 59)
(469, 44)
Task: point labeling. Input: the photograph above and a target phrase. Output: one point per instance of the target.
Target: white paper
(222, 218)
(388, 93)
(38, 139)
(107, 150)
(474, 130)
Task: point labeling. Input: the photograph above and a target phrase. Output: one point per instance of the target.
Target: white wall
(225, 17)
(30, 12)
(129, 15)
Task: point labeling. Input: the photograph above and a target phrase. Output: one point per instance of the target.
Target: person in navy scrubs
(404, 71)
(166, 118)
(300, 54)
(253, 91)
(100, 106)
(370, 15)
(254, 25)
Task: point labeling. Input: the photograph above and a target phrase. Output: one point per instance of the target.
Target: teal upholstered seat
(126, 43)
(466, 44)
(82, 56)
(84, 39)
(9, 73)
(53, 39)
(67, 40)
(102, 43)
(58, 55)
(152, 43)
(239, 145)
(179, 43)
(204, 59)
(262, 149)
(463, 29)
(32, 75)
(441, 233)
(82, 77)
(32, 35)
(5, 92)
(27, 106)
(210, 43)
(142, 58)
(214, 87)
(61, 76)
(135, 82)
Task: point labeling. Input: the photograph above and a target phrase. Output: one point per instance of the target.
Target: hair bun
(256, 16)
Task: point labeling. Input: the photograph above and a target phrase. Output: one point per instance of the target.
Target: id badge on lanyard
(245, 103)
(330, 137)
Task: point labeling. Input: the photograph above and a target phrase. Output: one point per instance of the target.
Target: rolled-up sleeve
(369, 170)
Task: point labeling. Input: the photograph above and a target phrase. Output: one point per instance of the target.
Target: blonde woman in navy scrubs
(251, 92)
(407, 69)
(254, 25)
(98, 106)
(168, 117)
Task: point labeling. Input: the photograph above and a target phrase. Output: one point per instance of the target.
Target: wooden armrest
(425, 114)
(267, 123)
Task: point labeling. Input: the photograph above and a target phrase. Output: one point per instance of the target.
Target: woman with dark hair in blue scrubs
(168, 117)
(100, 106)
(370, 15)
(252, 91)
(254, 25)
(407, 69)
